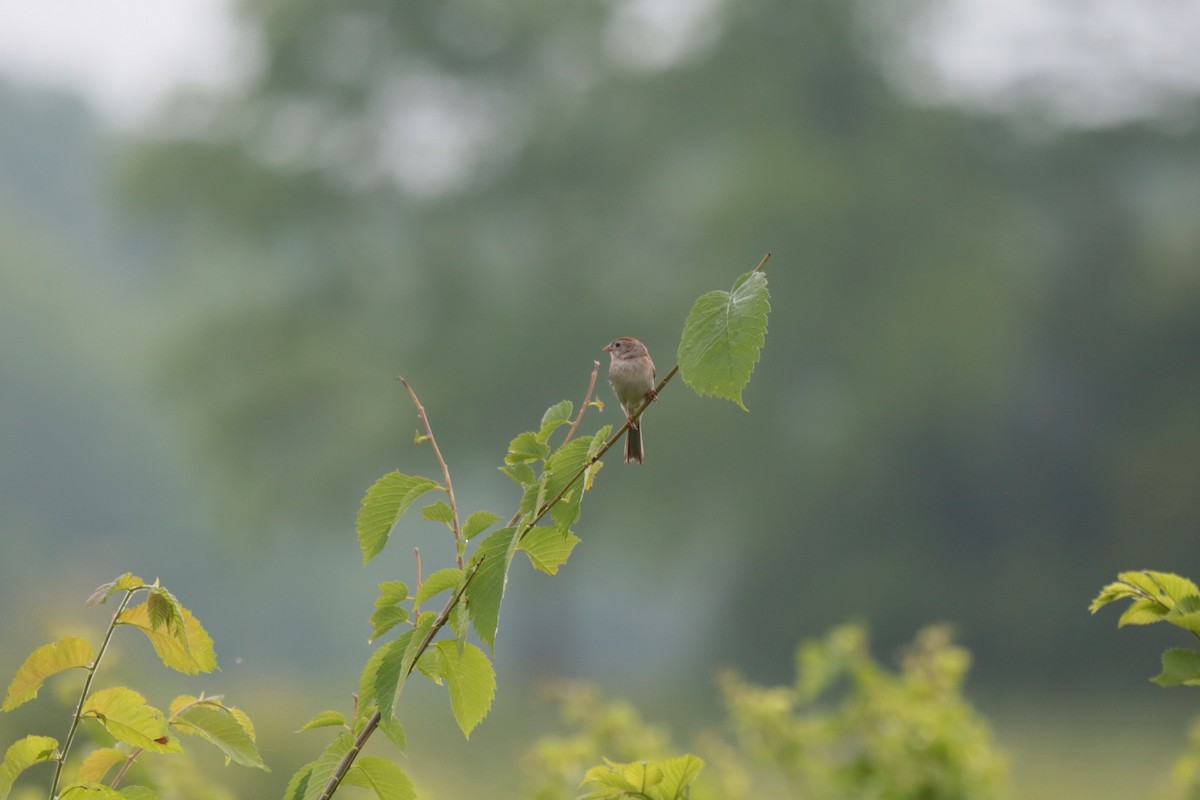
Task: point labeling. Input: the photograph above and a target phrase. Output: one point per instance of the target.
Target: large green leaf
(50, 659)
(723, 337)
(324, 767)
(548, 548)
(470, 680)
(22, 755)
(556, 415)
(436, 583)
(383, 506)
(486, 589)
(381, 776)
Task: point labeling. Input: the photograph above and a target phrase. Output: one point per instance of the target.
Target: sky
(1094, 63)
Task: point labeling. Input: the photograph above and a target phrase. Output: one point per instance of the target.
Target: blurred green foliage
(846, 728)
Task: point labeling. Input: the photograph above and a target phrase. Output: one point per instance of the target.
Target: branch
(586, 399)
(456, 529)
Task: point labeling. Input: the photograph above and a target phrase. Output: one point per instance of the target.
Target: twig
(372, 723)
(586, 399)
(83, 694)
(456, 529)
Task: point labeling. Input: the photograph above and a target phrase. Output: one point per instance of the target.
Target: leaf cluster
(137, 727)
(1159, 597)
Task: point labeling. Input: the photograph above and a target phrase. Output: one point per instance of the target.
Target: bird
(631, 375)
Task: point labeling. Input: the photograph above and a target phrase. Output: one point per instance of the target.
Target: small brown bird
(631, 374)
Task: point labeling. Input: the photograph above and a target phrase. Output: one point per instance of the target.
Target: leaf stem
(83, 694)
(437, 451)
(587, 396)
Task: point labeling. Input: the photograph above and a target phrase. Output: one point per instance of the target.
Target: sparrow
(631, 375)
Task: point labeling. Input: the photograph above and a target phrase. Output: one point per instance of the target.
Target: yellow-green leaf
(222, 727)
(49, 659)
(98, 763)
(548, 548)
(126, 583)
(384, 504)
(723, 337)
(438, 582)
(324, 719)
(126, 716)
(23, 754)
(187, 649)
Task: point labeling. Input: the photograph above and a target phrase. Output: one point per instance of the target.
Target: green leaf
(383, 506)
(438, 582)
(678, 774)
(381, 776)
(22, 755)
(470, 681)
(325, 765)
(723, 338)
(382, 675)
(324, 719)
(390, 593)
(1186, 613)
(486, 590)
(1166, 587)
(1142, 612)
(1180, 666)
(478, 522)
(98, 763)
(297, 787)
(556, 415)
(221, 727)
(386, 618)
(126, 583)
(522, 474)
(561, 467)
(438, 512)
(69, 652)
(548, 548)
(138, 793)
(526, 447)
(188, 649)
(394, 731)
(126, 716)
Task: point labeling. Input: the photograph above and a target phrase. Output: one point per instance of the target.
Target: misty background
(226, 228)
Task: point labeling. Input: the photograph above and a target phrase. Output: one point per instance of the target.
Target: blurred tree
(984, 372)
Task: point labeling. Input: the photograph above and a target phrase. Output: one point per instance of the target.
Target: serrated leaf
(163, 610)
(478, 522)
(723, 337)
(526, 447)
(394, 731)
(383, 506)
(325, 765)
(1180, 666)
(297, 787)
(390, 593)
(486, 590)
(556, 415)
(521, 474)
(22, 755)
(438, 512)
(386, 618)
(564, 465)
(188, 649)
(126, 583)
(1142, 612)
(127, 718)
(471, 682)
(1111, 593)
(1186, 614)
(438, 582)
(223, 729)
(678, 774)
(1166, 587)
(381, 776)
(324, 719)
(70, 652)
(548, 548)
(98, 763)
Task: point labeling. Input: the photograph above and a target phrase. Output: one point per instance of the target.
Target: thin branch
(372, 723)
(116, 781)
(587, 397)
(456, 529)
(83, 694)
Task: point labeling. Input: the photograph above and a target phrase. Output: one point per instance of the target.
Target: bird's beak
(608, 348)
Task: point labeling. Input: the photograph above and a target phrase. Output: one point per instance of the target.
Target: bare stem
(83, 695)
(120, 776)
(437, 451)
(587, 397)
